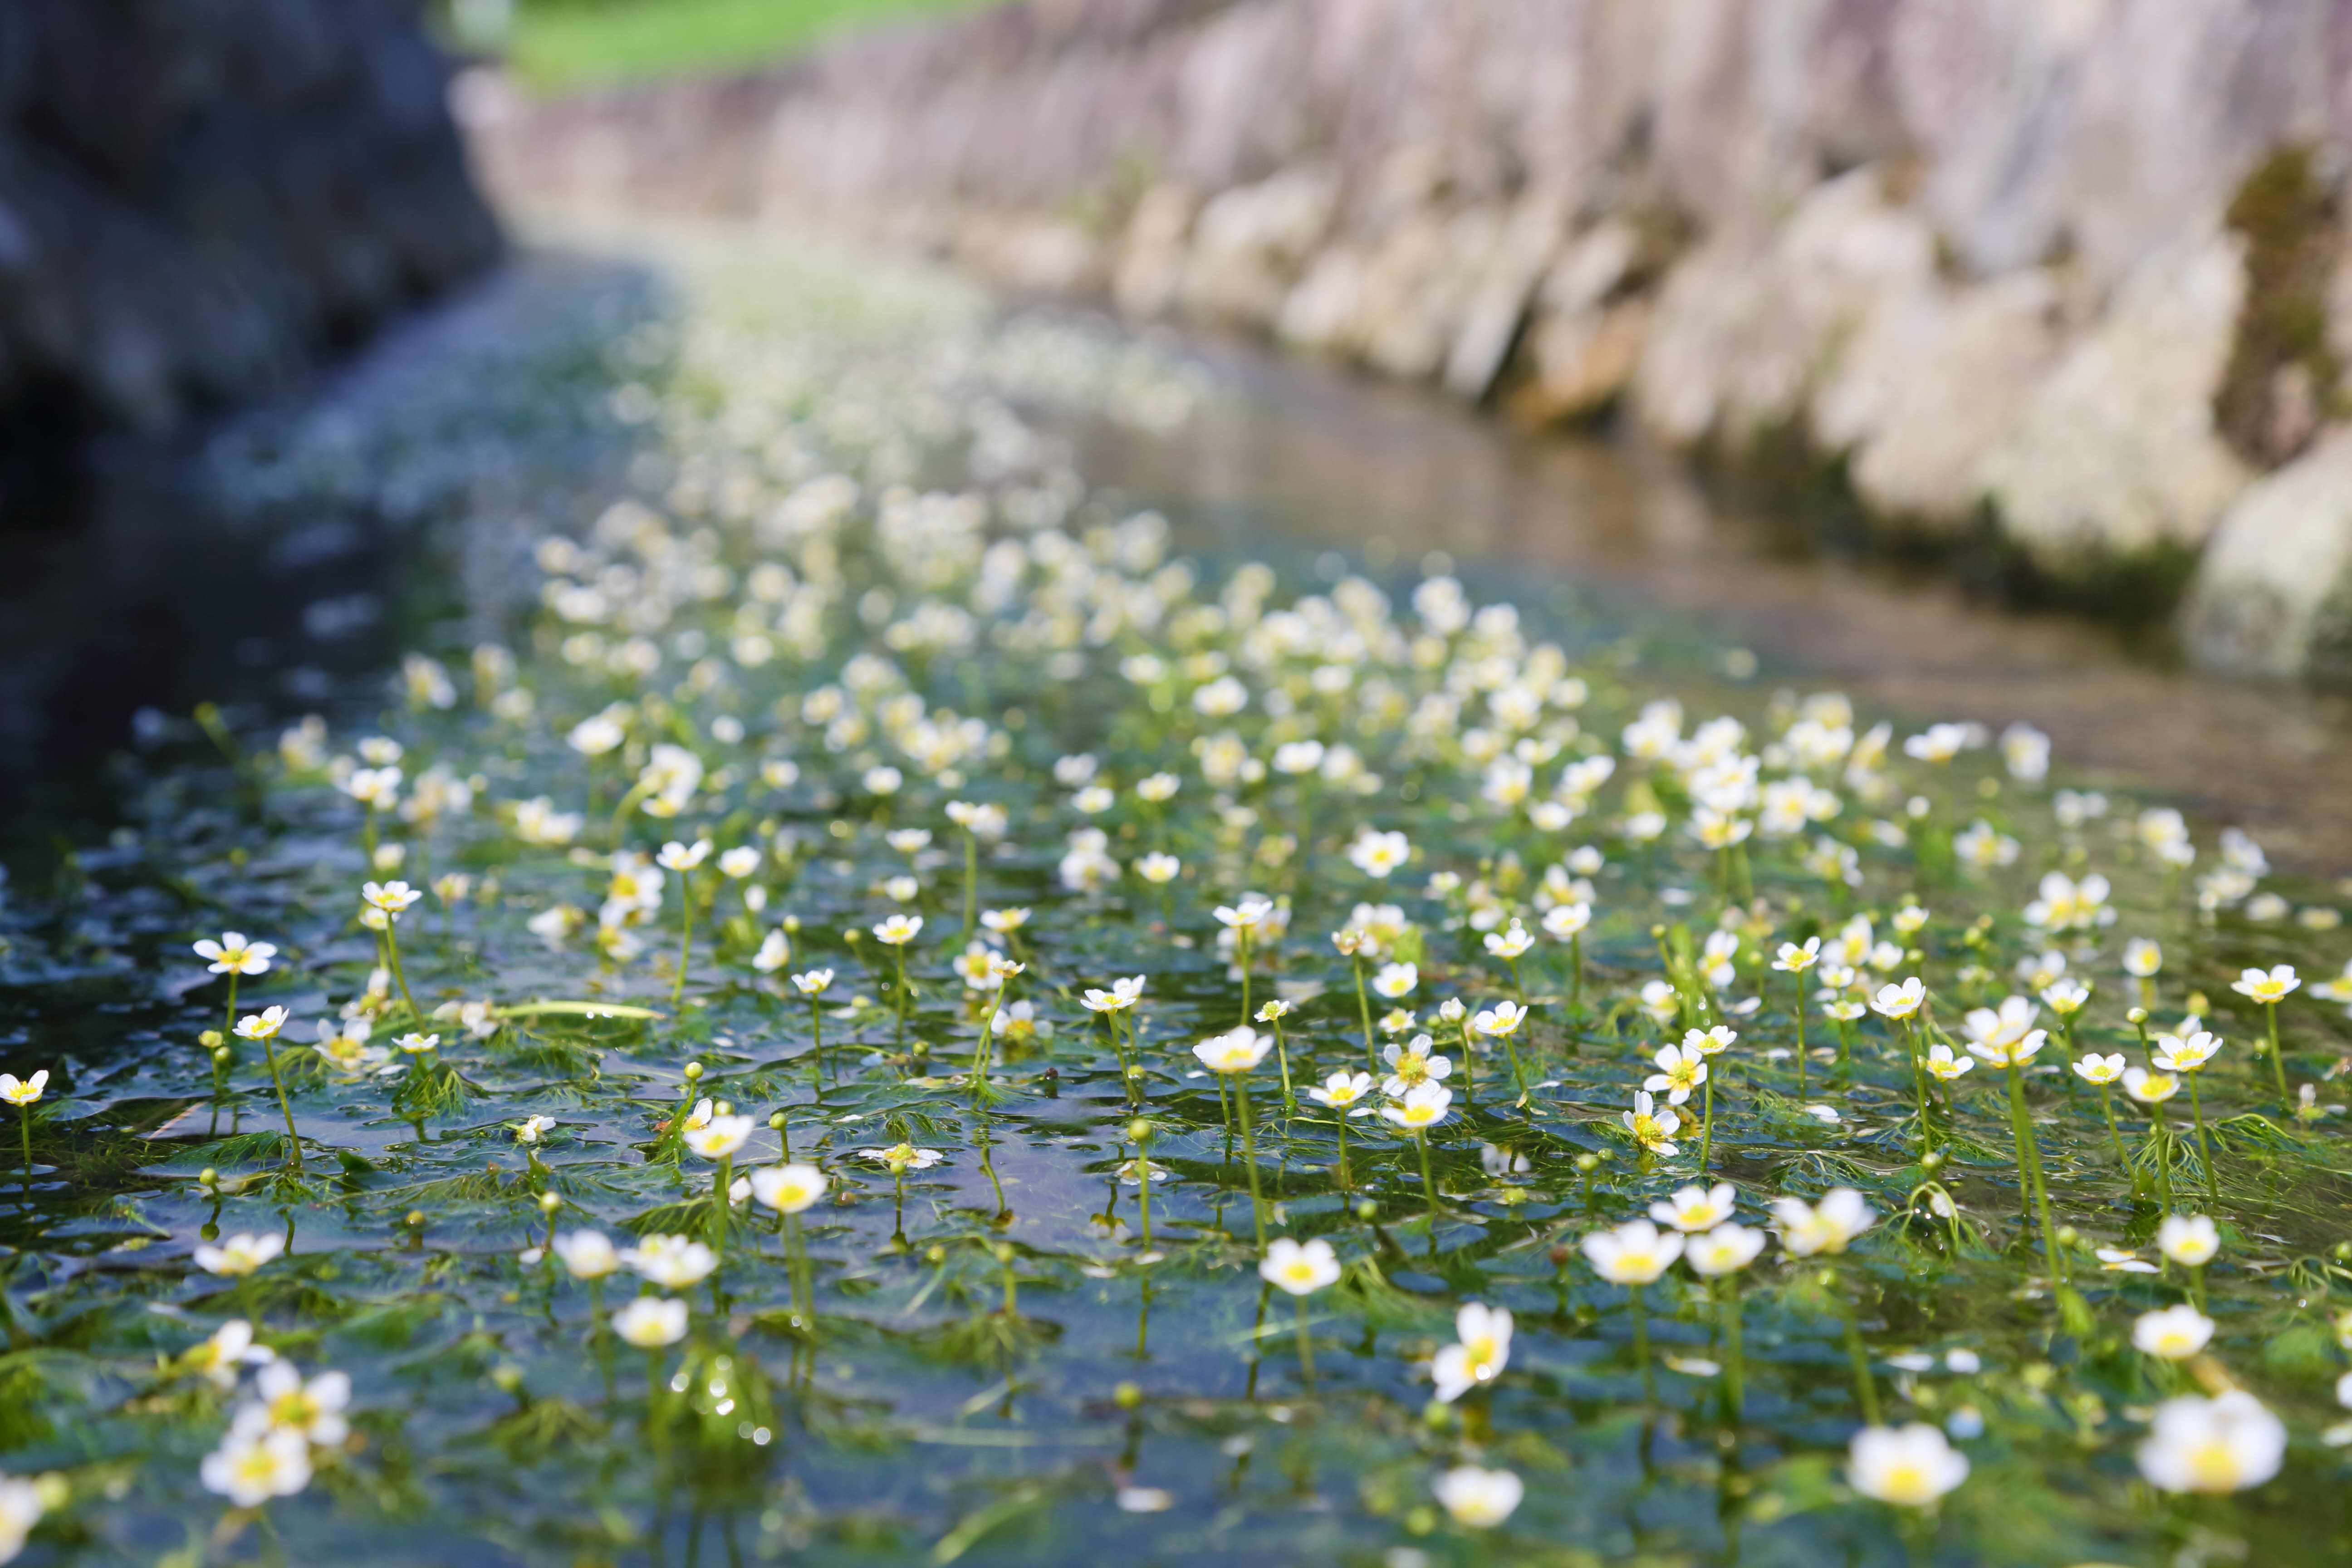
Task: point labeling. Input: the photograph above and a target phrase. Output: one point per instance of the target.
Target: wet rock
(2116, 452)
(196, 199)
(2274, 590)
(1934, 384)
(1503, 290)
(1250, 244)
(1748, 325)
(1150, 265)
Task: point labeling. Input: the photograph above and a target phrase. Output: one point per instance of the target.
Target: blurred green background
(553, 44)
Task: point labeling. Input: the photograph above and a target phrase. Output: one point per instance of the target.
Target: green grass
(561, 44)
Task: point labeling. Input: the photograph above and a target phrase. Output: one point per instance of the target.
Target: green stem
(1364, 1007)
(1798, 979)
(2107, 1109)
(1706, 1122)
(2204, 1149)
(1249, 1152)
(2278, 1058)
(1864, 1389)
(293, 1138)
(987, 1038)
(1727, 1308)
(1642, 1346)
(1428, 1187)
(2029, 1156)
(1306, 1348)
(1242, 941)
(971, 883)
(686, 941)
(400, 976)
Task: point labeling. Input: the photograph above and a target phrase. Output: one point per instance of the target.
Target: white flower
(1301, 1269)
(897, 931)
(1476, 1497)
(220, 1359)
(1341, 1089)
(2149, 1087)
(1244, 916)
(1940, 1061)
(2267, 988)
(2006, 1038)
(2221, 1444)
(20, 1509)
(682, 858)
(1122, 995)
(899, 1157)
(2142, 957)
(775, 951)
(1485, 1349)
(1681, 1071)
(812, 983)
(1725, 1249)
(1636, 1253)
(2068, 905)
(650, 1323)
(1377, 854)
(2096, 1069)
(1899, 1001)
(2176, 1054)
(1510, 943)
(1159, 869)
(673, 1262)
(1693, 1209)
(1795, 960)
(1652, 1127)
(1502, 1019)
(1910, 1467)
(262, 1025)
(2175, 1333)
(392, 898)
(250, 1467)
(1395, 981)
(1562, 921)
(2190, 1240)
(719, 1136)
(1806, 1229)
(240, 1254)
(533, 1129)
(593, 736)
(1424, 1106)
(789, 1189)
(314, 1408)
(232, 954)
(1236, 1050)
(26, 1091)
(586, 1254)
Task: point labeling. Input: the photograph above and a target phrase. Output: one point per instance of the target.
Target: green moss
(2287, 217)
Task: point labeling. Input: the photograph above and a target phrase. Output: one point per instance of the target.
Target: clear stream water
(1003, 1366)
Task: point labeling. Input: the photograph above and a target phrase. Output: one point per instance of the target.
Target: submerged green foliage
(861, 658)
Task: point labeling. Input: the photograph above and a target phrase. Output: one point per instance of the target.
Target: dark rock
(199, 196)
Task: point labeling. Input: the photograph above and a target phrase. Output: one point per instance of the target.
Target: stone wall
(196, 196)
(2061, 274)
